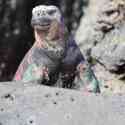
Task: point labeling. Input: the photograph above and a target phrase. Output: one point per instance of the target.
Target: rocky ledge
(33, 104)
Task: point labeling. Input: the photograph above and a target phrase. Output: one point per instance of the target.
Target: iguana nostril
(43, 13)
(38, 14)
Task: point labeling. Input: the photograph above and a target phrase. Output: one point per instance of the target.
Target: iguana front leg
(86, 79)
(35, 73)
(29, 70)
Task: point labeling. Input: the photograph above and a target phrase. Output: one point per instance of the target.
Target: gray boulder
(111, 50)
(102, 32)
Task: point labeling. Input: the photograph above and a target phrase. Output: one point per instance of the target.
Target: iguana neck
(40, 38)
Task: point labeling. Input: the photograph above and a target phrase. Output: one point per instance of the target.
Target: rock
(33, 104)
(111, 51)
(87, 35)
(102, 32)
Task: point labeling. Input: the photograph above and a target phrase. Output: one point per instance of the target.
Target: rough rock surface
(102, 31)
(32, 104)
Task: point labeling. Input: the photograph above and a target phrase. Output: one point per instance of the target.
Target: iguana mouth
(42, 27)
(41, 23)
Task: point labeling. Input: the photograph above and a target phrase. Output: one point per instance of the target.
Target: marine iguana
(46, 53)
(53, 52)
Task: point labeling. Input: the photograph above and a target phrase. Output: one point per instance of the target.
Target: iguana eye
(51, 12)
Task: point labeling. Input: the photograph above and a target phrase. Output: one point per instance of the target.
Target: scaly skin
(43, 59)
(33, 66)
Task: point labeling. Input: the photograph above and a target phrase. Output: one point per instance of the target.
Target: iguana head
(43, 16)
(47, 19)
